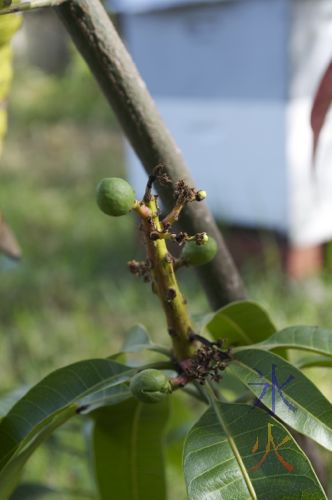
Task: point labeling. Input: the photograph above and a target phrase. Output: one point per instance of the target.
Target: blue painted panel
(135, 6)
(219, 75)
(233, 50)
(236, 152)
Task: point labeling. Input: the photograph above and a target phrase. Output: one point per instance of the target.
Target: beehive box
(234, 81)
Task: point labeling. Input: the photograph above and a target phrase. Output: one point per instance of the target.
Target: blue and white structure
(234, 81)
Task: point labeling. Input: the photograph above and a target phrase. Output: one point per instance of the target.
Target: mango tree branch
(9, 6)
(166, 287)
(97, 40)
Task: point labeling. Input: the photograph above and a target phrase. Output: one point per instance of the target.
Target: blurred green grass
(71, 297)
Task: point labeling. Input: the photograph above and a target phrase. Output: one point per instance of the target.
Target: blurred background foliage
(71, 297)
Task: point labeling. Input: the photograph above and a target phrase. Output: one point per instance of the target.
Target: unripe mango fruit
(115, 196)
(9, 24)
(150, 386)
(198, 255)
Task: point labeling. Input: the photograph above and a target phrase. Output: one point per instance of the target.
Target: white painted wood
(234, 81)
(310, 190)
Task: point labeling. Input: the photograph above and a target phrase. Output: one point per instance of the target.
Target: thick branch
(100, 45)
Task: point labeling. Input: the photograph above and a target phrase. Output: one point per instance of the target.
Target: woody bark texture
(97, 40)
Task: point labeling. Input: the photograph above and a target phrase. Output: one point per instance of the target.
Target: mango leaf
(9, 398)
(232, 388)
(138, 340)
(241, 323)
(183, 414)
(47, 402)
(221, 448)
(201, 320)
(106, 397)
(308, 338)
(321, 106)
(136, 336)
(32, 491)
(127, 450)
(306, 410)
(10, 474)
(312, 360)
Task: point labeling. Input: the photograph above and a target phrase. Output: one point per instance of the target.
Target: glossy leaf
(183, 414)
(127, 450)
(106, 397)
(218, 454)
(32, 491)
(46, 402)
(241, 323)
(313, 415)
(312, 360)
(138, 340)
(8, 399)
(137, 336)
(10, 474)
(232, 388)
(308, 338)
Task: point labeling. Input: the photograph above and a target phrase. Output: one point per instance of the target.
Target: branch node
(171, 294)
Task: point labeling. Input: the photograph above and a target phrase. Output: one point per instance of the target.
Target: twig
(165, 282)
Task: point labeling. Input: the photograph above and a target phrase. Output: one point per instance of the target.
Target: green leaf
(241, 323)
(127, 450)
(106, 397)
(47, 402)
(8, 399)
(183, 414)
(32, 491)
(182, 417)
(137, 336)
(232, 388)
(138, 340)
(218, 454)
(312, 360)
(308, 338)
(10, 474)
(313, 415)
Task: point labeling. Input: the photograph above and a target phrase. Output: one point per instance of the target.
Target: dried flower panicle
(141, 269)
(208, 362)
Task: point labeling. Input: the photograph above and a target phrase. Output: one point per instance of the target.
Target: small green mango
(150, 386)
(115, 196)
(198, 255)
(9, 24)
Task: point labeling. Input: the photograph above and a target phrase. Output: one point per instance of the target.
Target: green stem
(167, 288)
(26, 5)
